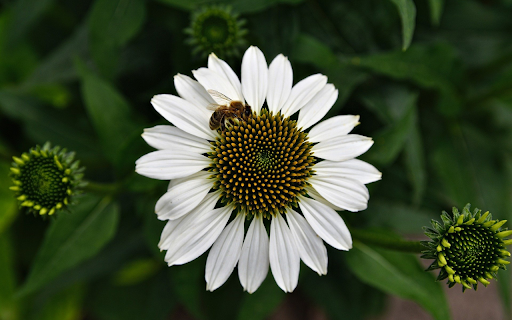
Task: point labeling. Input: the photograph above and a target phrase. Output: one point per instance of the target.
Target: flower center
(42, 182)
(473, 251)
(215, 29)
(262, 164)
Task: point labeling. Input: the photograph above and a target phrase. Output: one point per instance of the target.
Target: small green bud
(470, 247)
(216, 29)
(44, 178)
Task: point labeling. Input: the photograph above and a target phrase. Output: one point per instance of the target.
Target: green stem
(386, 242)
(103, 188)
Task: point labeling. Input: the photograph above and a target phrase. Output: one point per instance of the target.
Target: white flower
(264, 167)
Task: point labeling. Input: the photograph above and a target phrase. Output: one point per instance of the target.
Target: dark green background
(432, 81)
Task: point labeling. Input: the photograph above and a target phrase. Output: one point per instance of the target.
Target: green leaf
(47, 124)
(436, 10)
(73, 238)
(390, 141)
(504, 287)
(505, 276)
(109, 112)
(65, 305)
(415, 161)
(344, 77)
(58, 66)
(341, 295)
(18, 57)
(8, 204)
(136, 271)
(430, 66)
(458, 186)
(126, 244)
(148, 300)
(325, 292)
(399, 274)
(260, 304)
(310, 50)
(112, 23)
(398, 216)
(389, 102)
(25, 14)
(215, 304)
(407, 12)
(241, 6)
(188, 285)
(8, 305)
(116, 21)
(252, 6)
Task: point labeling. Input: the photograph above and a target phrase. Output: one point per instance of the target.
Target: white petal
(284, 255)
(302, 92)
(171, 232)
(197, 237)
(168, 137)
(254, 259)
(311, 247)
(333, 127)
(280, 81)
(254, 78)
(354, 169)
(190, 90)
(224, 69)
(327, 223)
(315, 195)
(225, 253)
(170, 164)
(184, 115)
(212, 80)
(342, 148)
(184, 196)
(348, 194)
(317, 107)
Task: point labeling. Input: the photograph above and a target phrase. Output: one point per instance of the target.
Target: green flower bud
(468, 247)
(216, 29)
(45, 179)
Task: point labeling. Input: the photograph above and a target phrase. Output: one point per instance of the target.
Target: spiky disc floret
(45, 179)
(261, 165)
(467, 247)
(216, 29)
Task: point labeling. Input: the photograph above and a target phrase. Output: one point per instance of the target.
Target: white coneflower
(259, 167)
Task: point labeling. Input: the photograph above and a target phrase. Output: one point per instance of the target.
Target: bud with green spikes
(45, 179)
(216, 29)
(468, 247)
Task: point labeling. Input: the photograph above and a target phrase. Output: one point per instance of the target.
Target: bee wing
(219, 97)
(213, 106)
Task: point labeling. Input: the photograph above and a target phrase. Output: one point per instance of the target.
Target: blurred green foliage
(431, 79)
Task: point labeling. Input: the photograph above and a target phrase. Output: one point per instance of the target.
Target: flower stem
(386, 242)
(103, 188)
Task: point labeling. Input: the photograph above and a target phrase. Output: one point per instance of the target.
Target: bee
(224, 113)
